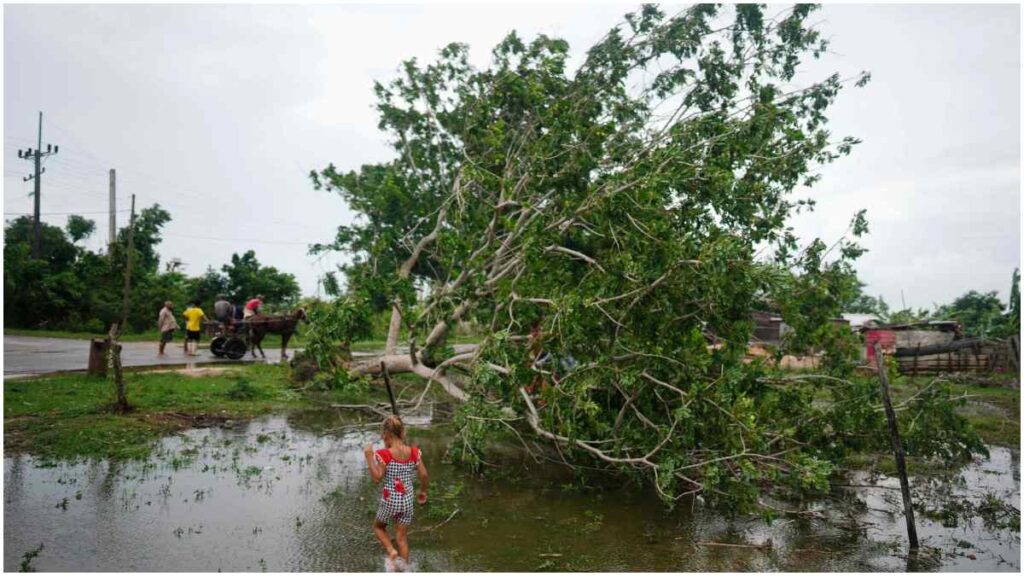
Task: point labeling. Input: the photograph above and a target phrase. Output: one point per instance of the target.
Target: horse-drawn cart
(225, 341)
(234, 339)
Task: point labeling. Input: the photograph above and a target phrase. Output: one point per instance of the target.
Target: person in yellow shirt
(193, 323)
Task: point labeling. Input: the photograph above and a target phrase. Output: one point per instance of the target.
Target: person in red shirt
(396, 464)
(252, 307)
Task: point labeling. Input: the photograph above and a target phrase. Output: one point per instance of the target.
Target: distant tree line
(75, 289)
(979, 313)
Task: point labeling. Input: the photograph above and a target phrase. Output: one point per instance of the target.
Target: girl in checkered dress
(395, 465)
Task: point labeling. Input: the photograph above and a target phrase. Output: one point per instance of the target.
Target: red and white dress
(396, 494)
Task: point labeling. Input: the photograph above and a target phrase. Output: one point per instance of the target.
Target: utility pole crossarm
(36, 156)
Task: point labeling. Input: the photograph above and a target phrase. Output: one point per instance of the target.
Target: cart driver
(252, 307)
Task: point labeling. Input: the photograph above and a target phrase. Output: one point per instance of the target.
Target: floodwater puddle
(291, 492)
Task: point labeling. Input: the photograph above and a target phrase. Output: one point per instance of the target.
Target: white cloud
(219, 112)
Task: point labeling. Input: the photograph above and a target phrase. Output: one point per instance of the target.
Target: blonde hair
(393, 427)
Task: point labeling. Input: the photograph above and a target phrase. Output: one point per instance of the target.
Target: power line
(86, 171)
(61, 213)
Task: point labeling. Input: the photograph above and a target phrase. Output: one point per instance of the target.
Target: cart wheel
(235, 348)
(217, 346)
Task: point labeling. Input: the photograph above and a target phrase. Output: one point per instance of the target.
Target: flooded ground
(291, 492)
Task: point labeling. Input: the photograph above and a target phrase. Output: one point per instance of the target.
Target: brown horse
(260, 325)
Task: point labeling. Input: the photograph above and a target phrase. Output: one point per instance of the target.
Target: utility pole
(128, 268)
(113, 344)
(37, 156)
(113, 208)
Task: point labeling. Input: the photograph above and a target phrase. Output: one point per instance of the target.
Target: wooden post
(114, 350)
(387, 383)
(897, 449)
(121, 404)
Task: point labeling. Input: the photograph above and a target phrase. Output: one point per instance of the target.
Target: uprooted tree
(612, 228)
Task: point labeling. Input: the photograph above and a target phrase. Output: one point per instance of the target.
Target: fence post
(897, 449)
(387, 383)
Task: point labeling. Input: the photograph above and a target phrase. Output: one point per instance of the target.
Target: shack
(937, 346)
(892, 337)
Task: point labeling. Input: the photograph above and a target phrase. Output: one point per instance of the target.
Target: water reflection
(291, 493)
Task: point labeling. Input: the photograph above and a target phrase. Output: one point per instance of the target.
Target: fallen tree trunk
(404, 363)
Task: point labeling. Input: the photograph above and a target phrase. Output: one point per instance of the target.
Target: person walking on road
(166, 324)
(193, 316)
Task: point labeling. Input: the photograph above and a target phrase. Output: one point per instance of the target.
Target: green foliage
(811, 298)
(605, 224)
(28, 557)
(246, 278)
(207, 287)
(1012, 324)
(331, 286)
(145, 260)
(71, 288)
(243, 390)
(477, 424)
(327, 353)
(79, 227)
(347, 385)
(980, 314)
(931, 426)
(333, 327)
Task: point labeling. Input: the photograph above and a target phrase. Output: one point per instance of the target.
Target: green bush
(244, 390)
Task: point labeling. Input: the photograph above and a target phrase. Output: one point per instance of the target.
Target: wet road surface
(29, 355)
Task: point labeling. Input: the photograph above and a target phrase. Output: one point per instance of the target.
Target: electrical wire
(63, 213)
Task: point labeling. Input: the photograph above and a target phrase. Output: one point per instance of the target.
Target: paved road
(28, 355)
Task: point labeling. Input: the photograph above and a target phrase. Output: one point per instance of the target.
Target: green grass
(994, 411)
(886, 464)
(69, 415)
(73, 395)
(150, 336)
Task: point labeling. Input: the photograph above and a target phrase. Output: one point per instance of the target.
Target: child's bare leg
(401, 531)
(381, 530)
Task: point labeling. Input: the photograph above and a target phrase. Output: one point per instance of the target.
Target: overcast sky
(219, 113)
